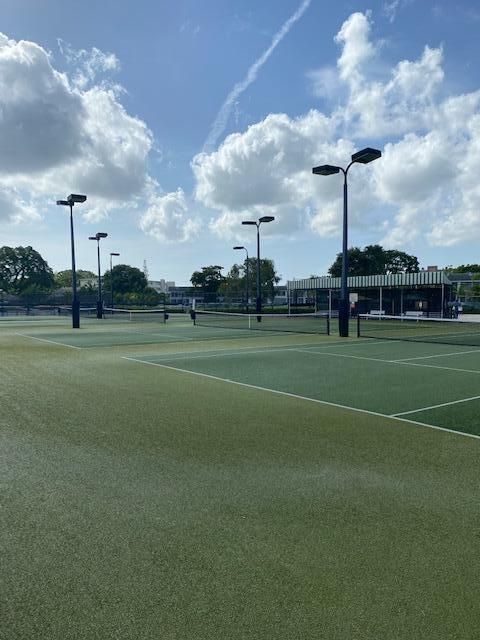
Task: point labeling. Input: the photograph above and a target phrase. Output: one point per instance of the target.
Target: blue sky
(123, 101)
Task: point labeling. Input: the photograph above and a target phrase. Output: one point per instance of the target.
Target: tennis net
(297, 323)
(420, 329)
(136, 315)
(85, 312)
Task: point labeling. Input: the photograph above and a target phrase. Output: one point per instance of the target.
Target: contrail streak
(221, 120)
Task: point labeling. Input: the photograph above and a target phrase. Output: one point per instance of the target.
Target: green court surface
(179, 482)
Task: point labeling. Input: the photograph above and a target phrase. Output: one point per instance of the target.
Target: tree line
(24, 272)
(210, 281)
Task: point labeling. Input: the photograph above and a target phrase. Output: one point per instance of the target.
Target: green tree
(268, 277)
(374, 260)
(208, 279)
(23, 268)
(126, 279)
(464, 268)
(64, 278)
(233, 285)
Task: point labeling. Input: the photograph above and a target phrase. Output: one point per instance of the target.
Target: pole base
(343, 317)
(76, 314)
(99, 310)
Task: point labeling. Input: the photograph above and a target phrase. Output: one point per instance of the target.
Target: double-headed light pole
(111, 278)
(70, 202)
(362, 157)
(258, 306)
(98, 237)
(246, 275)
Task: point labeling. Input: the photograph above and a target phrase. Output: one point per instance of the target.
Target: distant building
(161, 286)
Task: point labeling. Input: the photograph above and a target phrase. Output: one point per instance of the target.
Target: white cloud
(357, 48)
(58, 138)
(14, 209)
(89, 64)
(324, 83)
(167, 218)
(425, 186)
(391, 8)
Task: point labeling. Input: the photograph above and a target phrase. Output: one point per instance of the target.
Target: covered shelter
(425, 293)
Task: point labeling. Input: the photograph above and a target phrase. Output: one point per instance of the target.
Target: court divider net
(297, 323)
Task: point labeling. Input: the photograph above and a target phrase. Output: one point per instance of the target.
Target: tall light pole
(70, 202)
(362, 157)
(246, 275)
(98, 237)
(258, 305)
(111, 278)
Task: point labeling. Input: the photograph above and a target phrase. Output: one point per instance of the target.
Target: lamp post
(246, 275)
(258, 305)
(111, 279)
(70, 202)
(363, 157)
(98, 237)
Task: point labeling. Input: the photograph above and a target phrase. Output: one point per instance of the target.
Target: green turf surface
(140, 501)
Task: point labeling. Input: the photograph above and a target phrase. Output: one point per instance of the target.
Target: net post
(328, 325)
(358, 326)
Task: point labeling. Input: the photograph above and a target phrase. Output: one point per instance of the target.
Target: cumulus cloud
(60, 134)
(14, 209)
(167, 218)
(426, 185)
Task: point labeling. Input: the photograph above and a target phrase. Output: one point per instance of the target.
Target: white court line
(298, 397)
(434, 406)
(438, 355)
(239, 351)
(61, 344)
(400, 362)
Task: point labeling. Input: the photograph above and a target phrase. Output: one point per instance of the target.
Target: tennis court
(179, 481)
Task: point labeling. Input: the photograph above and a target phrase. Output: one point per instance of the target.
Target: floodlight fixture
(98, 236)
(259, 293)
(70, 202)
(326, 170)
(362, 157)
(366, 155)
(75, 197)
